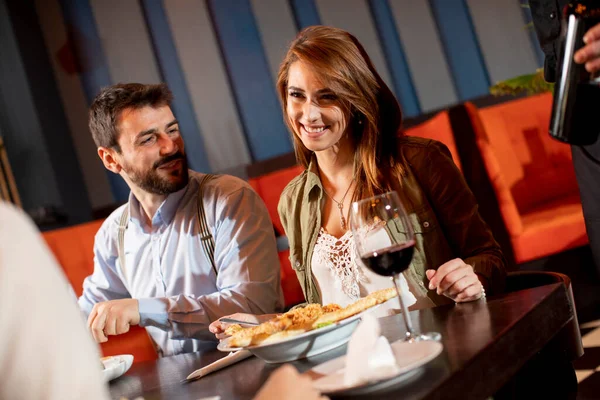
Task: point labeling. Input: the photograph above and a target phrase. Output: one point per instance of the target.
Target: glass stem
(410, 333)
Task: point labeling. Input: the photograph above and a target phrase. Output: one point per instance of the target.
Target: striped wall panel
(91, 65)
(354, 16)
(74, 102)
(125, 41)
(170, 68)
(249, 75)
(207, 82)
(274, 16)
(430, 71)
(504, 40)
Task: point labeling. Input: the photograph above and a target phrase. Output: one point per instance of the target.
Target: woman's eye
(296, 94)
(329, 97)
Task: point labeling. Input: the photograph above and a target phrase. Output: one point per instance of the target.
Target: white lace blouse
(340, 279)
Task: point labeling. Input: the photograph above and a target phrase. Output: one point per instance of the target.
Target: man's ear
(109, 158)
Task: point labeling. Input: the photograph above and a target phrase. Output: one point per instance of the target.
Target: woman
(345, 123)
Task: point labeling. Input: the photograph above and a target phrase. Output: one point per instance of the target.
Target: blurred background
(220, 59)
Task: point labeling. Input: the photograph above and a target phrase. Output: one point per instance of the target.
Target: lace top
(340, 279)
(337, 255)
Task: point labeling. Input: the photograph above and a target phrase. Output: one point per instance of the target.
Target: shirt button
(426, 224)
(297, 263)
(155, 238)
(552, 15)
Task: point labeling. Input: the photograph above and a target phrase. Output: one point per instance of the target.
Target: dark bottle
(576, 102)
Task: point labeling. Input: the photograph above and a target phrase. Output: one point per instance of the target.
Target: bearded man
(184, 250)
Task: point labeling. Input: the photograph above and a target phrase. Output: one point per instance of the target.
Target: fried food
(300, 320)
(357, 307)
(231, 329)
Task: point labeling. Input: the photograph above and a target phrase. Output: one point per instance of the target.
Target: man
(586, 159)
(163, 278)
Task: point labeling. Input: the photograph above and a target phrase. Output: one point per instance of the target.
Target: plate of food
(303, 332)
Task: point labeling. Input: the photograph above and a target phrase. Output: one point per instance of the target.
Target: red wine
(390, 260)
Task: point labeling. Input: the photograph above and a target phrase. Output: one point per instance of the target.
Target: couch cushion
(535, 167)
(440, 129)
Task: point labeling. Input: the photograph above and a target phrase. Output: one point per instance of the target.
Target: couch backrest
(269, 188)
(73, 248)
(535, 167)
(440, 129)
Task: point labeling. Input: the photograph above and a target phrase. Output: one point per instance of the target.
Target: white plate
(306, 344)
(328, 377)
(115, 366)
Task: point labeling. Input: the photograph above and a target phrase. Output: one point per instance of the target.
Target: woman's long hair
(375, 117)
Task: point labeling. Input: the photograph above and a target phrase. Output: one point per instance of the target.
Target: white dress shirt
(46, 351)
(168, 271)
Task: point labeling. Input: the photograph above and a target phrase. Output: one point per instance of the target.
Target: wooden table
(485, 344)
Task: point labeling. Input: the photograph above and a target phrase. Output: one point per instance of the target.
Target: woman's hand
(456, 280)
(218, 328)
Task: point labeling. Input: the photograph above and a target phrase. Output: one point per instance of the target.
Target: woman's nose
(311, 111)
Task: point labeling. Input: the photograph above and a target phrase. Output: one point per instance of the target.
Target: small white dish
(328, 377)
(115, 366)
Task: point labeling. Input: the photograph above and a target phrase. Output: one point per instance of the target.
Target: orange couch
(532, 176)
(269, 188)
(73, 248)
(438, 128)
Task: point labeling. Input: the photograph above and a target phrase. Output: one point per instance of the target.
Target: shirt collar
(164, 214)
(313, 181)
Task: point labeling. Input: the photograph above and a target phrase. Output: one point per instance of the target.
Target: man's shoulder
(109, 228)
(221, 185)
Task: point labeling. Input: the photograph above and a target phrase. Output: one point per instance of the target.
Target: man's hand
(218, 328)
(590, 53)
(456, 280)
(113, 317)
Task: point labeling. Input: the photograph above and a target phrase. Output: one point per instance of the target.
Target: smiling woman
(345, 123)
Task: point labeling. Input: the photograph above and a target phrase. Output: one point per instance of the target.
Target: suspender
(208, 242)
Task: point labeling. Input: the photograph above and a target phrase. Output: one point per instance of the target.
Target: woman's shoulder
(295, 186)
(416, 149)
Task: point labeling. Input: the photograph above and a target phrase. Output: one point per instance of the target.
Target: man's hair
(108, 105)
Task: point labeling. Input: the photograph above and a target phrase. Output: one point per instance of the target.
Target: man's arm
(105, 299)
(248, 265)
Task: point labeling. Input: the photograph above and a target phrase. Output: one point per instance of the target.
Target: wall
(220, 58)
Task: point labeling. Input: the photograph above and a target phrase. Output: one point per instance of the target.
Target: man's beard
(152, 182)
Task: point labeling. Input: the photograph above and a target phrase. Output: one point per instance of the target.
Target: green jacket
(443, 211)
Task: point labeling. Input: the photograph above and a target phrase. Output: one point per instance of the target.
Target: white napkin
(229, 359)
(369, 357)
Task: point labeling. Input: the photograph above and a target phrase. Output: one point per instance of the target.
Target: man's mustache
(168, 159)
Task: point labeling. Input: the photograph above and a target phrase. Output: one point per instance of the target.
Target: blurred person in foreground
(158, 272)
(346, 128)
(45, 351)
(547, 19)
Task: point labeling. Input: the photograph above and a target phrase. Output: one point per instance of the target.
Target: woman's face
(314, 110)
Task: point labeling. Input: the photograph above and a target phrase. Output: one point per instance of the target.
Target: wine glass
(385, 242)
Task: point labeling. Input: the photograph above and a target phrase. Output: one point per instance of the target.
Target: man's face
(152, 152)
